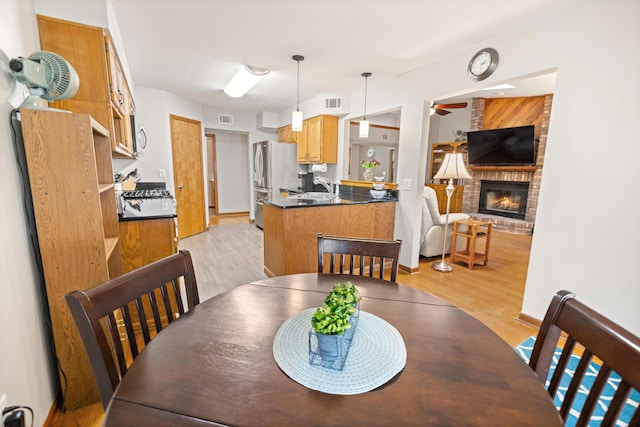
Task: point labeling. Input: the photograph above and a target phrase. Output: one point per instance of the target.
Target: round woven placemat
(377, 354)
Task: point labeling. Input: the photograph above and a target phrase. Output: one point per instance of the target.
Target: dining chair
(602, 344)
(368, 255)
(118, 318)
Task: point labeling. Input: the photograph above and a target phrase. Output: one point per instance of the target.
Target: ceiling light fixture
(246, 78)
(364, 123)
(296, 117)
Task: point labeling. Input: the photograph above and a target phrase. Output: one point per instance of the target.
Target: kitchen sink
(312, 195)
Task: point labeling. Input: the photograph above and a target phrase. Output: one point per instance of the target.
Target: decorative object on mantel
(459, 135)
(452, 168)
(333, 325)
(368, 166)
(376, 356)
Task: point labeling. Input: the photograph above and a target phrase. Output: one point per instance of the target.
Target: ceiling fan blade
(456, 105)
(442, 112)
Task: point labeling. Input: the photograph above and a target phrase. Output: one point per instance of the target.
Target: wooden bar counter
(290, 230)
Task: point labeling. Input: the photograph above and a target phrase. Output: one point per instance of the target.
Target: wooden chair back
(358, 255)
(117, 319)
(604, 342)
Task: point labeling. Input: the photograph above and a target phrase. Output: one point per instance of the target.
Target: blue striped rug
(524, 350)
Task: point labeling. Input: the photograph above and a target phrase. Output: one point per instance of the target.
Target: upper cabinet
(104, 91)
(318, 141)
(287, 135)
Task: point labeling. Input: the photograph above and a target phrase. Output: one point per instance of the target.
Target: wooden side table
(475, 229)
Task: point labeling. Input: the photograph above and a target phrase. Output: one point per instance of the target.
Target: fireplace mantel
(519, 168)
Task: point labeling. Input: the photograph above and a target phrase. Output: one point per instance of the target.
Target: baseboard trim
(230, 214)
(408, 270)
(529, 320)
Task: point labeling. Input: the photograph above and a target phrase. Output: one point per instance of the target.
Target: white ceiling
(194, 47)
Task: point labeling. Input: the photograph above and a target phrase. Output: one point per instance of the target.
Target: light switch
(162, 173)
(407, 184)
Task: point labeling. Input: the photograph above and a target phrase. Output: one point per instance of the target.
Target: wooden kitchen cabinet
(318, 141)
(287, 135)
(147, 240)
(104, 91)
(74, 204)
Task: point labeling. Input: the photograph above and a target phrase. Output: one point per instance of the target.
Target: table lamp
(452, 168)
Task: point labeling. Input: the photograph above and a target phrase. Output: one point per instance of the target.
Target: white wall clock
(371, 152)
(483, 64)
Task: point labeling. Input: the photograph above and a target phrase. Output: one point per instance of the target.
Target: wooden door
(188, 175)
(213, 174)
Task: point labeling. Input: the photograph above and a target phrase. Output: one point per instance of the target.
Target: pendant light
(296, 117)
(364, 123)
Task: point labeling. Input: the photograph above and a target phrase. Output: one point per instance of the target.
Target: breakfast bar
(292, 223)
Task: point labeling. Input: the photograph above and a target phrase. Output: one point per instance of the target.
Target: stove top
(147, 194)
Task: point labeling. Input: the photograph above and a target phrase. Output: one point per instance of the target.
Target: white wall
(580, 242)
(27, 373)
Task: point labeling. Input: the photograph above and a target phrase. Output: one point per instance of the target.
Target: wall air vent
(225, 119)
(333, 103)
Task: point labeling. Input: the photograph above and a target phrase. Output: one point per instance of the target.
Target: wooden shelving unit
(71, 179)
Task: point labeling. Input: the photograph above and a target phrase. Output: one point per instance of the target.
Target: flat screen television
(502, 147)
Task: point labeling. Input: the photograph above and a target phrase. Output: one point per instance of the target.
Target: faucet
(326, 183)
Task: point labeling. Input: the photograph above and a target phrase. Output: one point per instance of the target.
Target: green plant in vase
(333, 316)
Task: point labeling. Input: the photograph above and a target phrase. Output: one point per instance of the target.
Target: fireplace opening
(503, 198)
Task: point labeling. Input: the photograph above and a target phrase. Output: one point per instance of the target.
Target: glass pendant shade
(364, 129)
(296, 121)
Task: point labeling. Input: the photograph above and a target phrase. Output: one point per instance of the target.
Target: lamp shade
(246, 78)
(453, 168)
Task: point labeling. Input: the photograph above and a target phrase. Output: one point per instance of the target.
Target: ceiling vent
(225, 119)
(333, 103)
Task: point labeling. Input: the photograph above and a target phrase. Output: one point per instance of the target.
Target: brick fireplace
(529, 175)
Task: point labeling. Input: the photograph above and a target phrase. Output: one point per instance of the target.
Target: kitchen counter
(348, 196)
(291, 235)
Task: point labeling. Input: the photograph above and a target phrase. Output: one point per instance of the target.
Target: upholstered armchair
(432, 229)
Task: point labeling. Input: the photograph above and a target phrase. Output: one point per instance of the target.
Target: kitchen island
(291, 226)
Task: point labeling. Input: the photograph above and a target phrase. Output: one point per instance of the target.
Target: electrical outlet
(4, 402)
(162, 173)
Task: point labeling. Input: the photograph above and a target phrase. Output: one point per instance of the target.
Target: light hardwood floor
(492, 293)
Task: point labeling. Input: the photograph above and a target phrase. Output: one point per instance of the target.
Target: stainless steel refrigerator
(275, 166)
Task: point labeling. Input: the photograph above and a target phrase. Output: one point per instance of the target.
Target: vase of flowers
(368, 166)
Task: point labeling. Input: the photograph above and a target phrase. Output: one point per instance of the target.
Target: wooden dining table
(215, 366)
